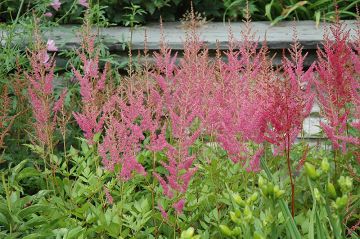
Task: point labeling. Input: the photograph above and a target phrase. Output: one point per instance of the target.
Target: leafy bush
(118, 12)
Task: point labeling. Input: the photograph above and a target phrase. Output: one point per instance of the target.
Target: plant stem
(176, 219)
(290, 175)
(67, 13)
(153, 192)
(19, 11)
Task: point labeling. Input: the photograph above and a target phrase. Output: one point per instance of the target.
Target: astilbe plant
(338, 85)
(289, 100)
(234, 114)
(41, 94)
(181, 90)
(126, 120)
(92, 86)
(255, 103)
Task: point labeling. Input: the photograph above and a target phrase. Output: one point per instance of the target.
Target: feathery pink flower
(60, 102)
(92, 87)
(48, 14)
(108, 196)
(56, 5)
(164, 214)
(84, 3)
(41, 93)
(338, 85)
(124, 133)
(179, 206)
(51, 45)
(254, 164)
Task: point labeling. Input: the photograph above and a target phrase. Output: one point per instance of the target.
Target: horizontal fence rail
(277, 37)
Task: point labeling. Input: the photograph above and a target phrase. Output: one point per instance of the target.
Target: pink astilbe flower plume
(234, 114)
(290, 100)
(254, 164)
(164, 214)
(108, 196)
(92, 87)
(179, 206)
(41, 93)
(338, 85)
(126, 120)
(56, 4)
(180, 91)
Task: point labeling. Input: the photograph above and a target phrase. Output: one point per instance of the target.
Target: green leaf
(18, 167)
(74, 233)
(3, 220)
(290, 223)
(268, 10)
(26, 212)
(317, 16)
(27, 173)
(287, 11)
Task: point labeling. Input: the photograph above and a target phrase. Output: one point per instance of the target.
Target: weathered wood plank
(278, 37)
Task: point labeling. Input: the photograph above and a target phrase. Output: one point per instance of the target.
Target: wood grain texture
(278, 37)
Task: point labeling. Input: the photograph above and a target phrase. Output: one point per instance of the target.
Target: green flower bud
(341, 202)
(310, 170)
(257, 235)
(270, 188)
(278, 192)
(247, 213)
(261, 181)
(317, 195)
(331, 190)
(226, 230)
(237, 213)
(345, 184)
(188, 233)
(237, 231)
(325, 166)
(238, 199)
(234, 218)
(254, 196)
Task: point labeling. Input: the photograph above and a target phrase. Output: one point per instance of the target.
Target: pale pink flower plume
(56, 5)
(108, 196)
(84, 3)
(254, 164)
(51, 45)
(45, 57)
(60, 102)
(48, 14)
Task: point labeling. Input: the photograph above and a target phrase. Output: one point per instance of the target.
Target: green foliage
(67, 193)
(121, 12)
(68, 200)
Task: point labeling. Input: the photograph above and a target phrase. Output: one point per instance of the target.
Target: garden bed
(203, 144)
